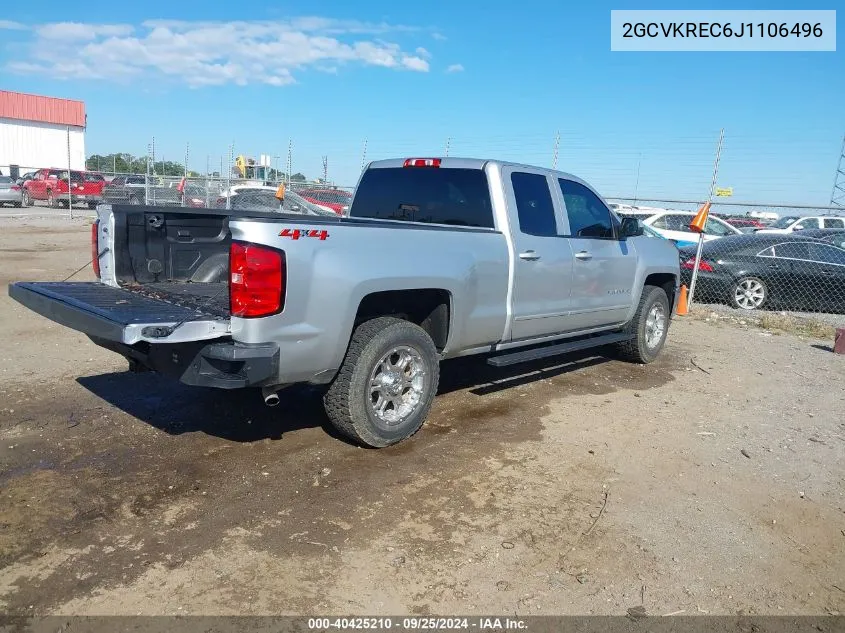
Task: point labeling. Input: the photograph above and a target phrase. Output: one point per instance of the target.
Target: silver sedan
(10, 192)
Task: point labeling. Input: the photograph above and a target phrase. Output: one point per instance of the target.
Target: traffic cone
(682, 302)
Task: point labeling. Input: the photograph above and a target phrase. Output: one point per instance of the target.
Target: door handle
(529, 256)
(827, 272)
(583, 255)
(774, 266)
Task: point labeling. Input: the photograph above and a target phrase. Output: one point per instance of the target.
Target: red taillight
(256, 280)
(422, 162)
(15, 188)
(95, 248)
(702, 265)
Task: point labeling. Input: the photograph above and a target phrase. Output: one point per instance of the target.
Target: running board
(554, 350)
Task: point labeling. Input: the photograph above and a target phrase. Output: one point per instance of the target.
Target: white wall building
(38, 132)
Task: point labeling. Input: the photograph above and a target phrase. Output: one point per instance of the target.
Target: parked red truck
(54, 187)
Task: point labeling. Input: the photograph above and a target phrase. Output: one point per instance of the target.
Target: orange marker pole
(697, 226)
(699, 222)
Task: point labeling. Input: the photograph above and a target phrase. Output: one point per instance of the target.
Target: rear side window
(792, 250)
(458, 197)
(588, 217)
(834, 223)
(534, 204)
(827, 254)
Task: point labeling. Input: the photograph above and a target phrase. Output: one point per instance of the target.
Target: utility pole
(229, 175)
(448, 144)
(187, 148)
(69, 167)
(637, 183)
(700, 236)
(557, 148)
(325, 170)
(147, 176)
(290, 159)
(364, 156)
(837, 196)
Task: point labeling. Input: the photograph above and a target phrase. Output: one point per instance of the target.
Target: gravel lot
(709, 482)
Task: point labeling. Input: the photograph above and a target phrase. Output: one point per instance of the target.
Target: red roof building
(38, 132)
(26, 107)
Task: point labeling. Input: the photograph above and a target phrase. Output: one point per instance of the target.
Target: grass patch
(773, 322)
(797, 325)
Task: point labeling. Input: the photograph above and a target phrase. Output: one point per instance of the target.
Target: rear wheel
(749, 293)
(648, 328)
(51, 201)
(25, 199)
(386, 384)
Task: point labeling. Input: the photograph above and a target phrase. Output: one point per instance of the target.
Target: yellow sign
(724, 193)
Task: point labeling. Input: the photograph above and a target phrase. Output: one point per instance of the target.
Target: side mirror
(630, 228)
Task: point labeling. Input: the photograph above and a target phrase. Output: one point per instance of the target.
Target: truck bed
(210, 299)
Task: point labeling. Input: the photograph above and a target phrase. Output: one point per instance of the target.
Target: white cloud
(9, 25)
(81, 31)
(438, 36)
(455, 68)
(213, 53)
(415, 63)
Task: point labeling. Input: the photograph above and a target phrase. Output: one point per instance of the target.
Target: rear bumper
(198, 352)
(221, 365)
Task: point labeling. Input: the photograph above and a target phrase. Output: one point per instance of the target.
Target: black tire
(51, 201)
(25, 200)
(640, 349)
(92, 205)
(348, 401)
(17, 204)
(749, 293)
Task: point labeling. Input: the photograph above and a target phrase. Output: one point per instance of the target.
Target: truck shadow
(241, 415)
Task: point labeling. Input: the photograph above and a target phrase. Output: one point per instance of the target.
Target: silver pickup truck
(439, 258)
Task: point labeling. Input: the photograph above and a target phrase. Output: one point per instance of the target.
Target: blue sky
(500, 81)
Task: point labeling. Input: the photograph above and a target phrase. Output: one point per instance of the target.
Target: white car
(788, 224)
(674, 225)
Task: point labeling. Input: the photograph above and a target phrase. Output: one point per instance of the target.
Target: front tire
(25, 200)
(749, 293)
(51, 201)
(648, 328)
(386, 384)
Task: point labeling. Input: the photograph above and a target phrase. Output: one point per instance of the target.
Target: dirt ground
(711, 481)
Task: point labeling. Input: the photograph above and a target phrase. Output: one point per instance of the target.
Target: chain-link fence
(308, 198)
(768, 257)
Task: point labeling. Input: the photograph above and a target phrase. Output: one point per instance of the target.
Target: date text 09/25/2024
(484, 624)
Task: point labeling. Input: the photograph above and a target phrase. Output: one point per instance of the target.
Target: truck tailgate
(117, 315)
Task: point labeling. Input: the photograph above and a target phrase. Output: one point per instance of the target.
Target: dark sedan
(831, 236)
(769, 271)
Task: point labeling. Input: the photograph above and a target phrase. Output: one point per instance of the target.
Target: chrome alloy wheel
(396, 384)
(655, 325)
